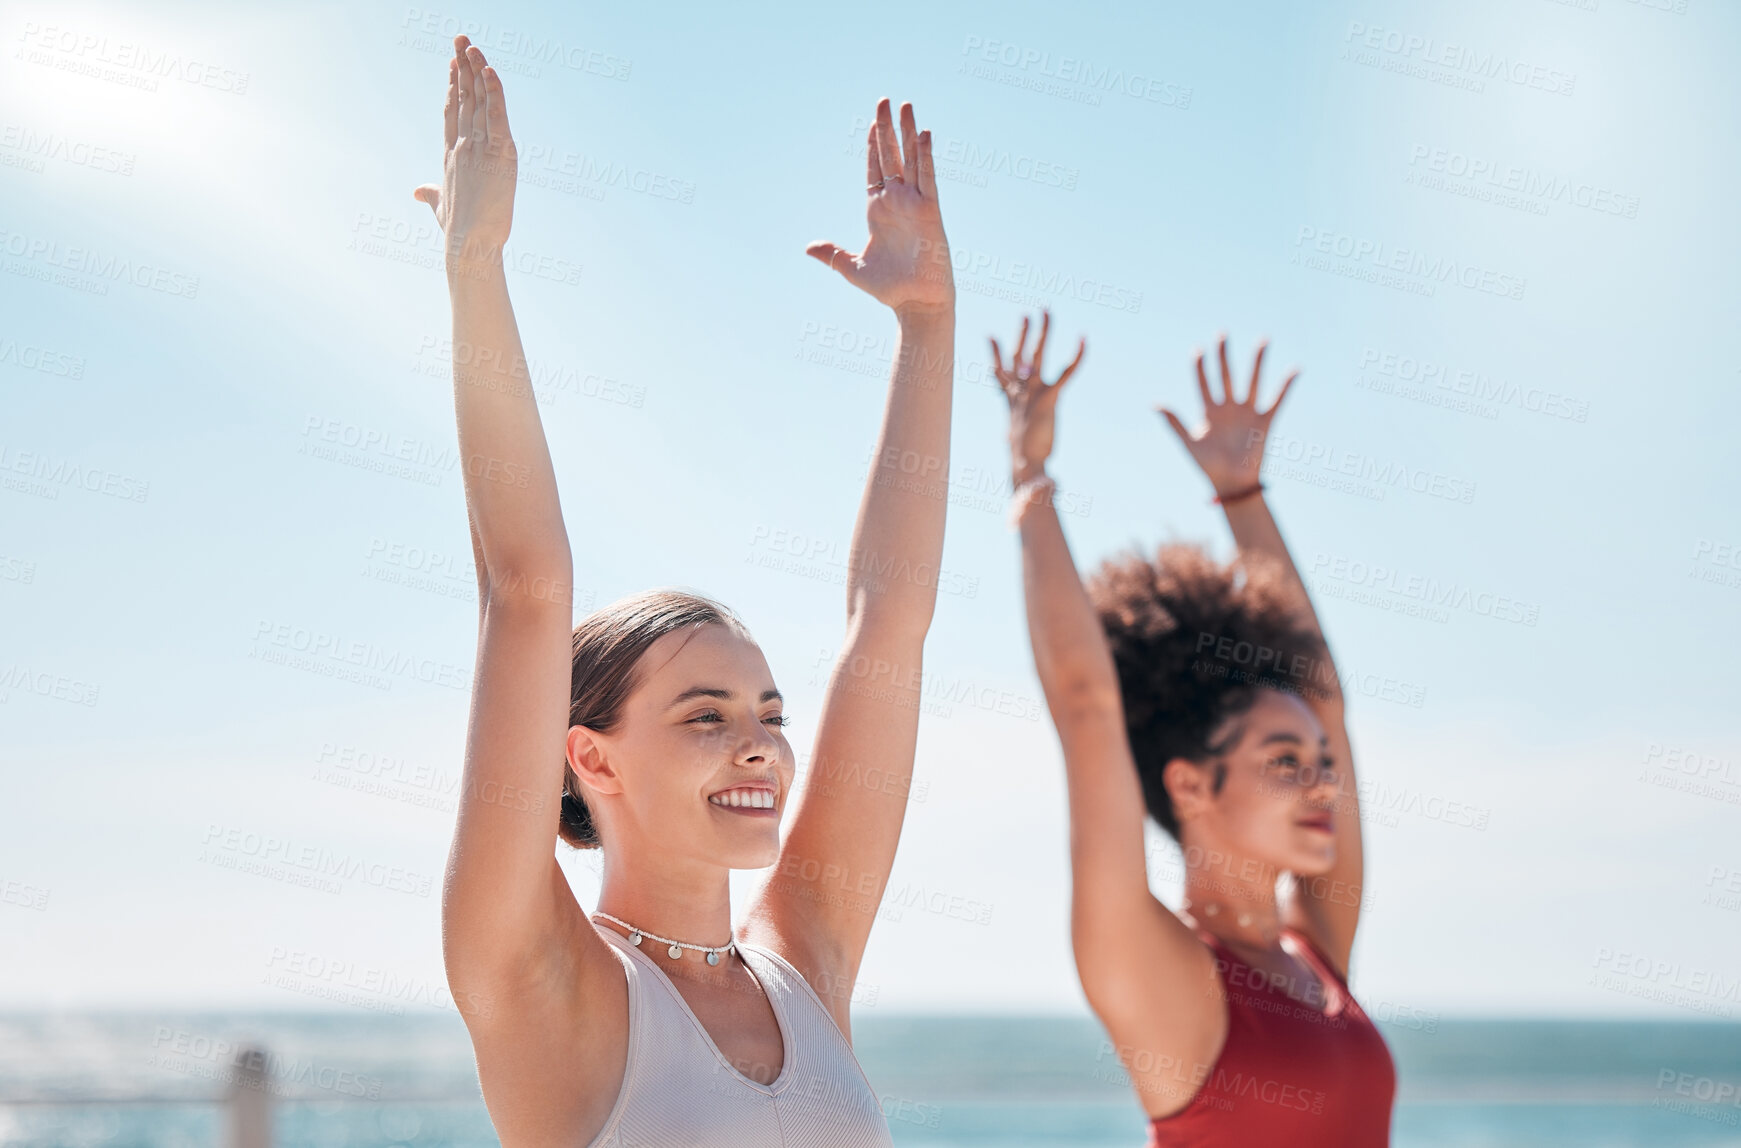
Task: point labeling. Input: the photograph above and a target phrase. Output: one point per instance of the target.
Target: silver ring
(896, 178)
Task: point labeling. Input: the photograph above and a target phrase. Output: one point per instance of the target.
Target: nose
(1326, 783)
(758, 748)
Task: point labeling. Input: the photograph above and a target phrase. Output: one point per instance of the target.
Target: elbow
(905, 618)
(1080, 696)
(532, 579)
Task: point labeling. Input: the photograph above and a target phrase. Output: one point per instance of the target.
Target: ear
(1188, 786)
(588, 758)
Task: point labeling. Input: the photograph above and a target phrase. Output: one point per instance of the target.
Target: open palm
(1228, 448)
(1033, 401)
(906, 261)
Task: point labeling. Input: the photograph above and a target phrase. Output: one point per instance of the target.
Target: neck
(682, 899)
(1233, 898)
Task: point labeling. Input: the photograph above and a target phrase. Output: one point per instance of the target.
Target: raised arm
(819, 902)
(1148, 978)
(1229, 451)
(504, 897)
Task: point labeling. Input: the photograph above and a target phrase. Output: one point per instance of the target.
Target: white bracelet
(1033, 491)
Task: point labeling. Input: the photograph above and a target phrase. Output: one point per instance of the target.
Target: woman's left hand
(906, 262)
(1229, 447)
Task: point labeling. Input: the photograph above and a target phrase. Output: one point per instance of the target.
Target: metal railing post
(249, 1107)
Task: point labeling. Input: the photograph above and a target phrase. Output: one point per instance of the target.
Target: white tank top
(680, 1090)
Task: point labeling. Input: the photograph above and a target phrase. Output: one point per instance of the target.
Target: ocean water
(358, 1080)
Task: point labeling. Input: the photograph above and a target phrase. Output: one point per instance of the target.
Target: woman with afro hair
(1204, 694)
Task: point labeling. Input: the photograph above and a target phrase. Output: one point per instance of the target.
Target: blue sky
(1498, 238)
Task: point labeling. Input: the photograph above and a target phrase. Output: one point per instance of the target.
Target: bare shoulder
(552, 1042)
(1168, 1033)
(826, 972)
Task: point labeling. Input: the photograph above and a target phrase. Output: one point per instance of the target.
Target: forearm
(897, 541)
(1070, 654)
(1105, 804)
(1255, 532)
(510, 484)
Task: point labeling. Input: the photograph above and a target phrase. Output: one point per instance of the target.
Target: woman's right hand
(474, 203)
(1033, 401)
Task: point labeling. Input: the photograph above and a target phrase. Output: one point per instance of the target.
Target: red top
(1289, 1073)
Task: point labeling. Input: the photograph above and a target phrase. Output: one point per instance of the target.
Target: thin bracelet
(1027, 495)
(1224, 499)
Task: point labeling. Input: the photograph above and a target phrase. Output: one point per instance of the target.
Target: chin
(748, 855)
(1313, 862)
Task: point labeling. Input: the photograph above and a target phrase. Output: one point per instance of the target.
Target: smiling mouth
(752, 800)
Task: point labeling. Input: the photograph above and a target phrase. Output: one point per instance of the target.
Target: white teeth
(744, 799)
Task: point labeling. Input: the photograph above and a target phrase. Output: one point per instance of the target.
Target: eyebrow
(1284, 735)
(694, 692)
